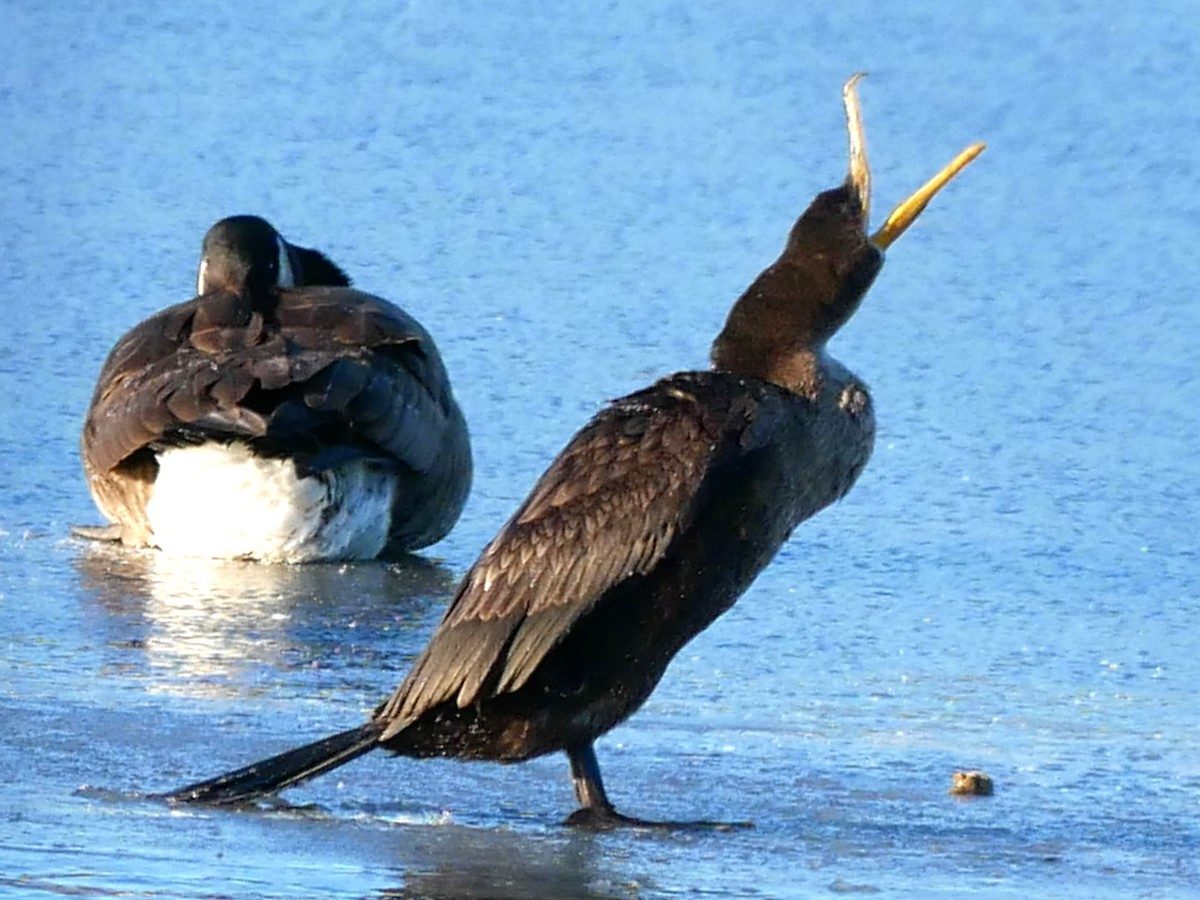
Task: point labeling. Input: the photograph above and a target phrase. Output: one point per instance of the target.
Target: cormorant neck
(778, 328)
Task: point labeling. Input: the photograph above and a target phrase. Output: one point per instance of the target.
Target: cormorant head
(832, 235)
(829, 262)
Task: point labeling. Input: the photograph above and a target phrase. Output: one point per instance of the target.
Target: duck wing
(326, 366)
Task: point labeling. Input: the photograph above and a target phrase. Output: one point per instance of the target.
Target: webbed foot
(592, 818)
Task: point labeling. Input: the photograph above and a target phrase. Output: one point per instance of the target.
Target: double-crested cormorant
(649, 525)
(280, 415)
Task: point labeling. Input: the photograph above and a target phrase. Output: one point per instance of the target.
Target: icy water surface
(570, 201)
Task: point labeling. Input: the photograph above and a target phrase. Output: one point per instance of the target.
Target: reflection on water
(454, 862)
(200, 627)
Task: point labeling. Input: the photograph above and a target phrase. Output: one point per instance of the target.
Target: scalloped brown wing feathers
(157, 378)
(607, 509)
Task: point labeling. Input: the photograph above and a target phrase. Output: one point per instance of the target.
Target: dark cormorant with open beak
(649, 525)
(279, 415)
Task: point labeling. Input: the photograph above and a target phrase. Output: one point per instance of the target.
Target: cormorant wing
(605, 511)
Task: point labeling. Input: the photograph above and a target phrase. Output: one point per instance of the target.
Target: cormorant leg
(596, 810)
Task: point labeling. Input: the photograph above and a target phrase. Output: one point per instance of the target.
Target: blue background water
(570, 201)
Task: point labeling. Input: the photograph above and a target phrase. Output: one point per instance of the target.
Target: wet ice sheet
(570, 204)
(839, 748)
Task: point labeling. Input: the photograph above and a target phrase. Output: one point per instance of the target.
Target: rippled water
(570, 202)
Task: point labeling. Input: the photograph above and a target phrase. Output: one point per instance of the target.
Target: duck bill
(906, 213)
(860, 171)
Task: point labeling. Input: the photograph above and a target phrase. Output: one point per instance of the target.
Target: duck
(280, 415)
(655, 518)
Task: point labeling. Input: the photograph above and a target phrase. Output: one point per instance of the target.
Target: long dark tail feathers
(107, 533)
(271, 775)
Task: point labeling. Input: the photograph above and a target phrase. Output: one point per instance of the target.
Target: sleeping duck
(279, 415)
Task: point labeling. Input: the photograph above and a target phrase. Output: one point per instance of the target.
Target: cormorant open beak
(908, 210)
(860, 170)
(860, 173)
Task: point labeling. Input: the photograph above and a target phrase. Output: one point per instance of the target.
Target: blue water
(570, 201)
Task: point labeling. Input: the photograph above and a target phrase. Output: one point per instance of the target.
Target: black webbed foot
(591, 818)
(596, 812)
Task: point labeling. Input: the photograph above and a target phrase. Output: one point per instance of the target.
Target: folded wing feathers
(597, 517)
(156, 379)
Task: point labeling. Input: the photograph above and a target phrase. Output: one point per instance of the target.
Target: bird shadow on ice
(201, 627)
(456, 862)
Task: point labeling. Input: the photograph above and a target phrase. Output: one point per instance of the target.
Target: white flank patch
(222, 501)
(202, 277)
(285, 278)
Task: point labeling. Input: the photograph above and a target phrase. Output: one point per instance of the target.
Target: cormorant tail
(268, 776)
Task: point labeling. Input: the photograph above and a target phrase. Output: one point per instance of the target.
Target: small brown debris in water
(972, 783)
